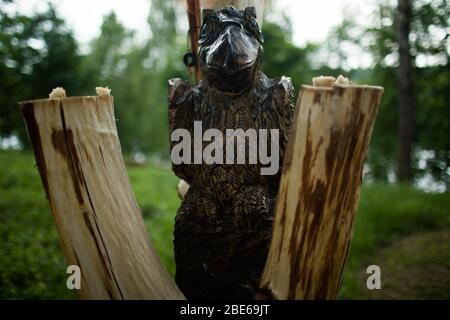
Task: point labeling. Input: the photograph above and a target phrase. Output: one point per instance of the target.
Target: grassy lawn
(405, 231)
(414, 267)
(386, 215)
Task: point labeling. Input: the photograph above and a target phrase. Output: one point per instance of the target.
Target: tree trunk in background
(406, 125)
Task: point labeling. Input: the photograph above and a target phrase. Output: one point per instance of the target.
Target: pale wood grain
(100, 225)
(319, 191)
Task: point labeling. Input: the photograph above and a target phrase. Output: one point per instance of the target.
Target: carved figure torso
(223, 227)
(256, 109)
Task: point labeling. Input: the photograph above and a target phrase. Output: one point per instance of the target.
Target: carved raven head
(230, 48)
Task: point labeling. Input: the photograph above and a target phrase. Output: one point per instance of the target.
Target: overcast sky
(312, 19)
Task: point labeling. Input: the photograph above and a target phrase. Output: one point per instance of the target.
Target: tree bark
(319, 191)
(406, 104)
(195, 24)
(100, 226)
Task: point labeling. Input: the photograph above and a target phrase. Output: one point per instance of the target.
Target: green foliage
(37, 53)
(429, 50)
(386, 214)
(282, 57)
(428, 43)
(415, 267)
(383, 146)
(31, 260)
(156, 191)
(138, 74)
(32, 265)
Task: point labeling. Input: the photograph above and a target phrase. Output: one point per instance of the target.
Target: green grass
(386, 214)
(156, 192)
(32, 264)
(414, 267)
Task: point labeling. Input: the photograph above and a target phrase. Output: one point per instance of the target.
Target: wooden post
(100, 226)
(319, 191)
(195, 24)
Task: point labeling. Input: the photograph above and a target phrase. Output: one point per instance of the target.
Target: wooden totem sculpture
(223, 227)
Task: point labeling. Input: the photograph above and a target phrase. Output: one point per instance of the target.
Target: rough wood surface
(101, 229)
(223, 227)
(239, 4)
(319, 191)
(194, 8)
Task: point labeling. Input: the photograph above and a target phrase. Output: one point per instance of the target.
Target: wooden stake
(195, 24)
(100, 226)
(319, 191)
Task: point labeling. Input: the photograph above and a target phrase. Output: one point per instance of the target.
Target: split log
(100, 226)
(319, 191)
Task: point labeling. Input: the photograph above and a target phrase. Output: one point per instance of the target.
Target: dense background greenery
(39, 52)
(32, 264)
(400, 227)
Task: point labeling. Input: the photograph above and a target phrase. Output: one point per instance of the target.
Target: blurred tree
(282, 57)
(106, 65)
(37, 53)
(406, 97)
(429, 54)
(429, 51)
(162, 23)
(164, 52)
(137, 72)
(106, 58)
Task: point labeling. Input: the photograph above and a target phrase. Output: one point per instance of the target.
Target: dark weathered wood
(194, 17)
(100, 226)
(222, 229)
(319, 191)
(194, 8)
(239, 4)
